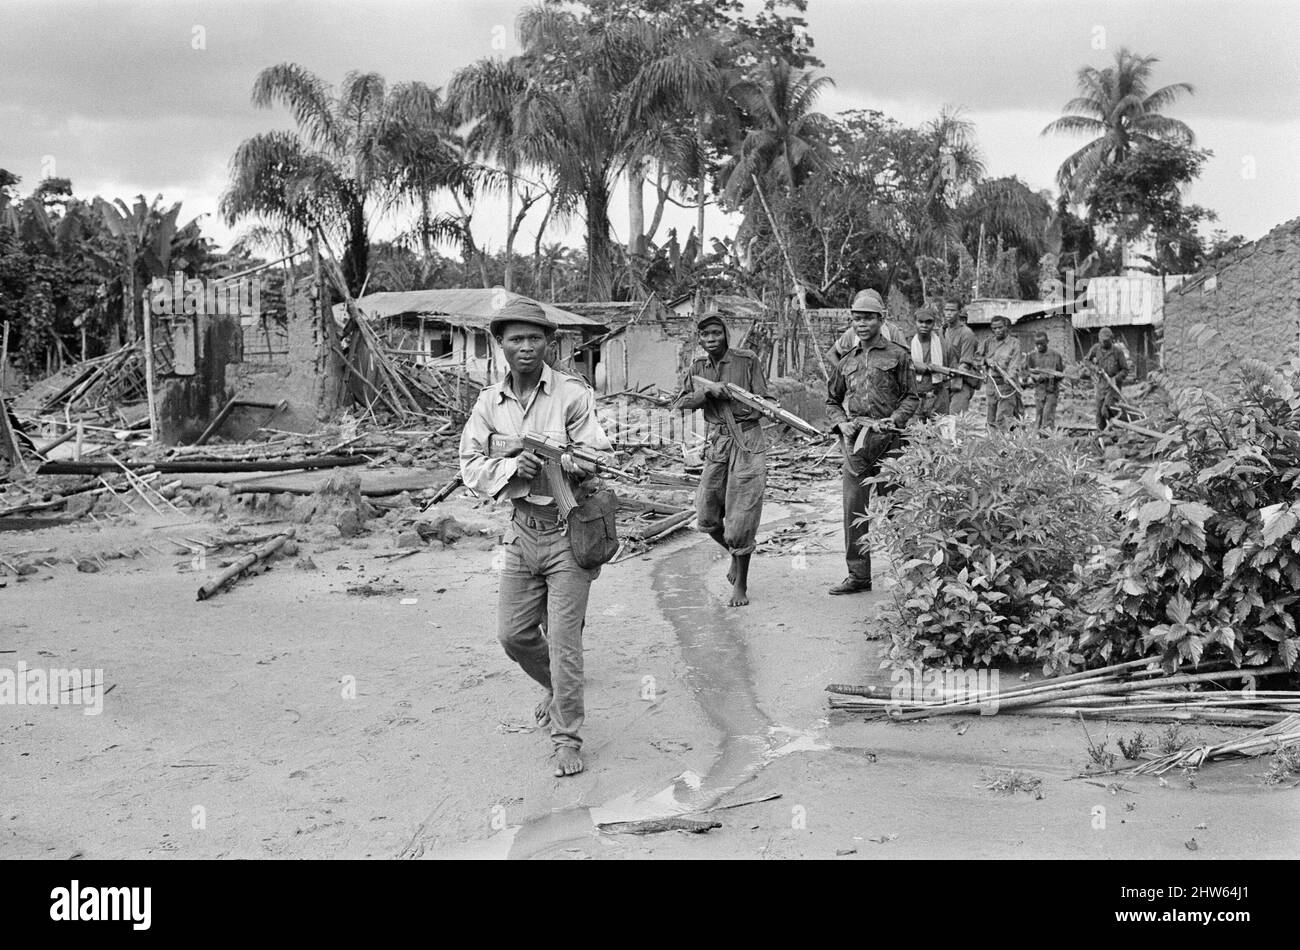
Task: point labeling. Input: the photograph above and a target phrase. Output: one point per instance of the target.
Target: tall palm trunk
(699, 221)
(537, 246)
(636, 206)
(600, 249)
(356, 256)
(508, 280)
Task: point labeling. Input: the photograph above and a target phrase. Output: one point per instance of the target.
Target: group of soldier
(878, 381)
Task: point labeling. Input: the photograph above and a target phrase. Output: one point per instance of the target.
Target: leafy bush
(988, 537)
(1208, 565)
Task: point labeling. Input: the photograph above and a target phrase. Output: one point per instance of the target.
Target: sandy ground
(287, 717)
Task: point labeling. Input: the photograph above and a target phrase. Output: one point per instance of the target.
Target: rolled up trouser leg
(567, 588)
(743, 501)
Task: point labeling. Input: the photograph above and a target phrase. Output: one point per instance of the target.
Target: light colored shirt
(562, 408)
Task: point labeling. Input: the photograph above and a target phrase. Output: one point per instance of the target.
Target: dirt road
(289, 717)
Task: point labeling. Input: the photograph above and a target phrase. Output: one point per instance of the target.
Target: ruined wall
(188, 402)
(1252, 301)
(286, 367)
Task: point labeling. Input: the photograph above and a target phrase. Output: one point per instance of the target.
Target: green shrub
(1208, 565)
(989, 539)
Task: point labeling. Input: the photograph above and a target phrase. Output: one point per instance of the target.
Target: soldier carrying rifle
(870, 397)
(543, 577)
(729, 501)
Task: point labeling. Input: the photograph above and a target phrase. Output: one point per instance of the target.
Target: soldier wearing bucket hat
(541, 579)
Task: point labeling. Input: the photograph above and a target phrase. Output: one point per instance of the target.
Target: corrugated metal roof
(982, 311)
(1132, 300)
(468, 306)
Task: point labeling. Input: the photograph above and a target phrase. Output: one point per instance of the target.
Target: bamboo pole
(244, 563)
(1014, 702)
(148, 370)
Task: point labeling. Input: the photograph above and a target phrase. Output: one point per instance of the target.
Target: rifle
(923, 368)
(1007, 376)
(764, 406)
(445, 492)
(504, 446)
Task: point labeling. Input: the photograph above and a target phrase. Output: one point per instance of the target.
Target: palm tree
(353, 154)
(783, 143)
(1116, 106)
(486, 92)
(673, 98)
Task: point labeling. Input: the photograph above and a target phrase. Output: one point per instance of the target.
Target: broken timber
(244, 563)
(253, 465)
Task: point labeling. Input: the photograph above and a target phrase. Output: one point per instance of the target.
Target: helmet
(868, 300)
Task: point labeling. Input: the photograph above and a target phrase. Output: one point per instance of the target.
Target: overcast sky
(132, 96)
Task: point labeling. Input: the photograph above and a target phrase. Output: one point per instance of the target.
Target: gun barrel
(769, 409)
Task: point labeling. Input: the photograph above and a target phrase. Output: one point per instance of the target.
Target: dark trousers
(1046, 407)
(860, 465)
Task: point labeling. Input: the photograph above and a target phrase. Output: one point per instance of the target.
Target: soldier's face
(867, 323)
(714, 339)
(924, 327)
(1040, 345)
(524, 345)
(999, 331)
(950, 315)
(1107, 341)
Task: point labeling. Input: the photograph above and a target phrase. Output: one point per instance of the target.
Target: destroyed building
(1252, 297)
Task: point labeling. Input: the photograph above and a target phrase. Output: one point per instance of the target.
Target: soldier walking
(870, 397)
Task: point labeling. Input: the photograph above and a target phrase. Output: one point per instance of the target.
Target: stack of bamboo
(1283, 734)
(1126, 691)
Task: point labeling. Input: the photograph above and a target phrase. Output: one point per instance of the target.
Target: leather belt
(536, 518)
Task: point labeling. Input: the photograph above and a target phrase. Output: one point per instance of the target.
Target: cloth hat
(1000, 318)
(868, 301)
(521, 310)
(711, 318)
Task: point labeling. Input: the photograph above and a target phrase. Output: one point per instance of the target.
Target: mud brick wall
(1253, 301)
(291, 376)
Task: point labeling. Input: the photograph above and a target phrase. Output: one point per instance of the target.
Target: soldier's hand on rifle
(576, 468)
(848, 428)
(716, 390)
(527, 465)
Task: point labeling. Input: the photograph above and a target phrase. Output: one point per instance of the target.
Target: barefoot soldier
(870, 397)
(541, 579)
(729, 501)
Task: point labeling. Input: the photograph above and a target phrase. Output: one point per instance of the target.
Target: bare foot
(568, 762)
(739, 596)
(731, 572)
(543, 711)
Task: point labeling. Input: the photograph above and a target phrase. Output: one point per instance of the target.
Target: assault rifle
(763, 406)
(923, 368)
(550, 453)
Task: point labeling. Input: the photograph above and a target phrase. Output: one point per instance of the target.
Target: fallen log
(214, 465)
(211, 588)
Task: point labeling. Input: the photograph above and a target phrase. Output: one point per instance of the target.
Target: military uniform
(1004, 401)
(963, 353)
(1046, 388)
(734, 478)
(1112, 363)
(873, 381)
